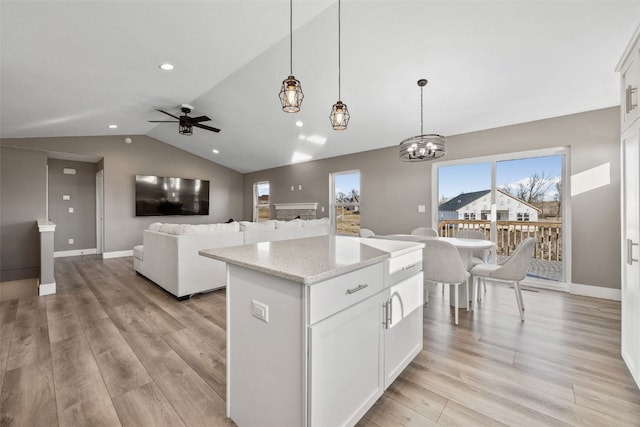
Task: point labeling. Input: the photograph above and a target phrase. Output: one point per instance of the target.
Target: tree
(531, 190)
(558, 196)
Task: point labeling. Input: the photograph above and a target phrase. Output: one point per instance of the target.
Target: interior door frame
(100, 211)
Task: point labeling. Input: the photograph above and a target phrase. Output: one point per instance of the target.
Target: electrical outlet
(300, 187)
(71, 241)
(292, 188)
(70, 210)
(260, 310)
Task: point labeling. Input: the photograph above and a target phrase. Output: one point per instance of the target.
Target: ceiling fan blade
(199, 119)
(169, 114)
(162, 121)
(205, 127)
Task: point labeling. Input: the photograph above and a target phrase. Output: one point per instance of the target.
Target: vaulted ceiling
(71, 68)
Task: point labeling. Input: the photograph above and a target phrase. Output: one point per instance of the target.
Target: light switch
(70, 210)
(421, 209)
(260, 310)
(300, 187)
(292, 188)
(321, 208)
(71, 241)
(66, 197)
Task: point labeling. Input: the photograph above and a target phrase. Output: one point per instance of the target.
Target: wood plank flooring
(111, 348)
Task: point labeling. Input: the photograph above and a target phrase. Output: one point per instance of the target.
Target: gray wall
(145, 156)
(23, 175)
(81, 187)
(391, 190)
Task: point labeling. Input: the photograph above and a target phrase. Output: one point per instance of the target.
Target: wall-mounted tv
(161, 195)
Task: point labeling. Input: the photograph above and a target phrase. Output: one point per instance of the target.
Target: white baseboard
(47, 288)
(596, 292)
(75, 252)
(117, 254)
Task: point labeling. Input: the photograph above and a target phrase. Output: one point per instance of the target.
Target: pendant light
(291, 92)
(422, 147)
(339, 116)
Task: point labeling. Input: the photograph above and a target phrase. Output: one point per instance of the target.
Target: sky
(457, 179)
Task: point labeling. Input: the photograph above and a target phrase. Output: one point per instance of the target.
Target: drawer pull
(356, 289)
(407, 267)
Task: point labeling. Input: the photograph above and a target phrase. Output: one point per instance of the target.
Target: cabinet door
(629, 82)
(345, 364)
(403, 336)
(630, 251)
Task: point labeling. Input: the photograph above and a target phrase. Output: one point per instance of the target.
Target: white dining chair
(512, 271)
(365, 232)
(424, 231)
(441, 263)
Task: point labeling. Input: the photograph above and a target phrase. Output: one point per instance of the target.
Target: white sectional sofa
(169, 253)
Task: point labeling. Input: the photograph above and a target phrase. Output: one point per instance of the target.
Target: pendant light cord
(290, 37)
(339, 85)
(421, 111)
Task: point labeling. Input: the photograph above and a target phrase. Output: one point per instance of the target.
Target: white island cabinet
(318, 328)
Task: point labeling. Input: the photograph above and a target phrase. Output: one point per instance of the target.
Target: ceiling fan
(186, 123)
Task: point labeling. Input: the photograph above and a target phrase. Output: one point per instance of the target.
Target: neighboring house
(477, 205)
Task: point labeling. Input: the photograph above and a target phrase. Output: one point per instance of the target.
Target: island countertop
(313, 259)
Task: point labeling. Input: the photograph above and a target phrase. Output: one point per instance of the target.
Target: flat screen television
(161, 195)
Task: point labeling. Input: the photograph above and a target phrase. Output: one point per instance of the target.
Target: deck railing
(548, 235)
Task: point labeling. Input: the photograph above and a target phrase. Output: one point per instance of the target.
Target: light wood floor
(110, 348)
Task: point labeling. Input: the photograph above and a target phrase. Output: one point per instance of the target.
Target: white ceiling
(71, 68)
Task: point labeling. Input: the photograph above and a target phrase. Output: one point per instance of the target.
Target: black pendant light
(422, 147)
(291, 92)
(339, 116)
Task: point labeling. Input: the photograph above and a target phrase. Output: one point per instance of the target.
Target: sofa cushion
(232, 227)
(257, 226)
(315, 222)
(294, 223)
(155, 226)
(169, 228)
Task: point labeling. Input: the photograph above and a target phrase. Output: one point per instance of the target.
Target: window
(345, 202)
(469, 215)
(261, 209)
(523, 216)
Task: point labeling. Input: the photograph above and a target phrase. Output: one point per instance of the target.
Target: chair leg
(455, 307)
(474, 286)
(516, 288)
(466, 284)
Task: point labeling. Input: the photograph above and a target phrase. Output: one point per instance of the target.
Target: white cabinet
(320, 354)
(629, 68)
(346, 357)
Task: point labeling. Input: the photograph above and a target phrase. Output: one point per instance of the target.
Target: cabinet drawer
(333, 295)
(402, 267)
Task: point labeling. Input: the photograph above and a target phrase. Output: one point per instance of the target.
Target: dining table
(465, 247)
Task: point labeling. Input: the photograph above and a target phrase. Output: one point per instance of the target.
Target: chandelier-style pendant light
(339, 116)
(422, 147)
(291, 92)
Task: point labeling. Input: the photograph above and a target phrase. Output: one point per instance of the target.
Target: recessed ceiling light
(166, 66)
(113, 126)
(215, 151)
(299, 123)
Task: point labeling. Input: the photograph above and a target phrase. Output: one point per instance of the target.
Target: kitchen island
(318, 328)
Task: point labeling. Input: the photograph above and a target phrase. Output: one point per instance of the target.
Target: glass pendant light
(422, 147)
(291, 92)
(339, 116)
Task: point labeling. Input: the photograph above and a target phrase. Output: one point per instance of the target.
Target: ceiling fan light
(185, 129)
(339, 116)
(291, 95)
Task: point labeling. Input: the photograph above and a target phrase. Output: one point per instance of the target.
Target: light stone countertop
(313, 259)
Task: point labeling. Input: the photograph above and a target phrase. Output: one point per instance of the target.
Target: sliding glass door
(509, 198)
